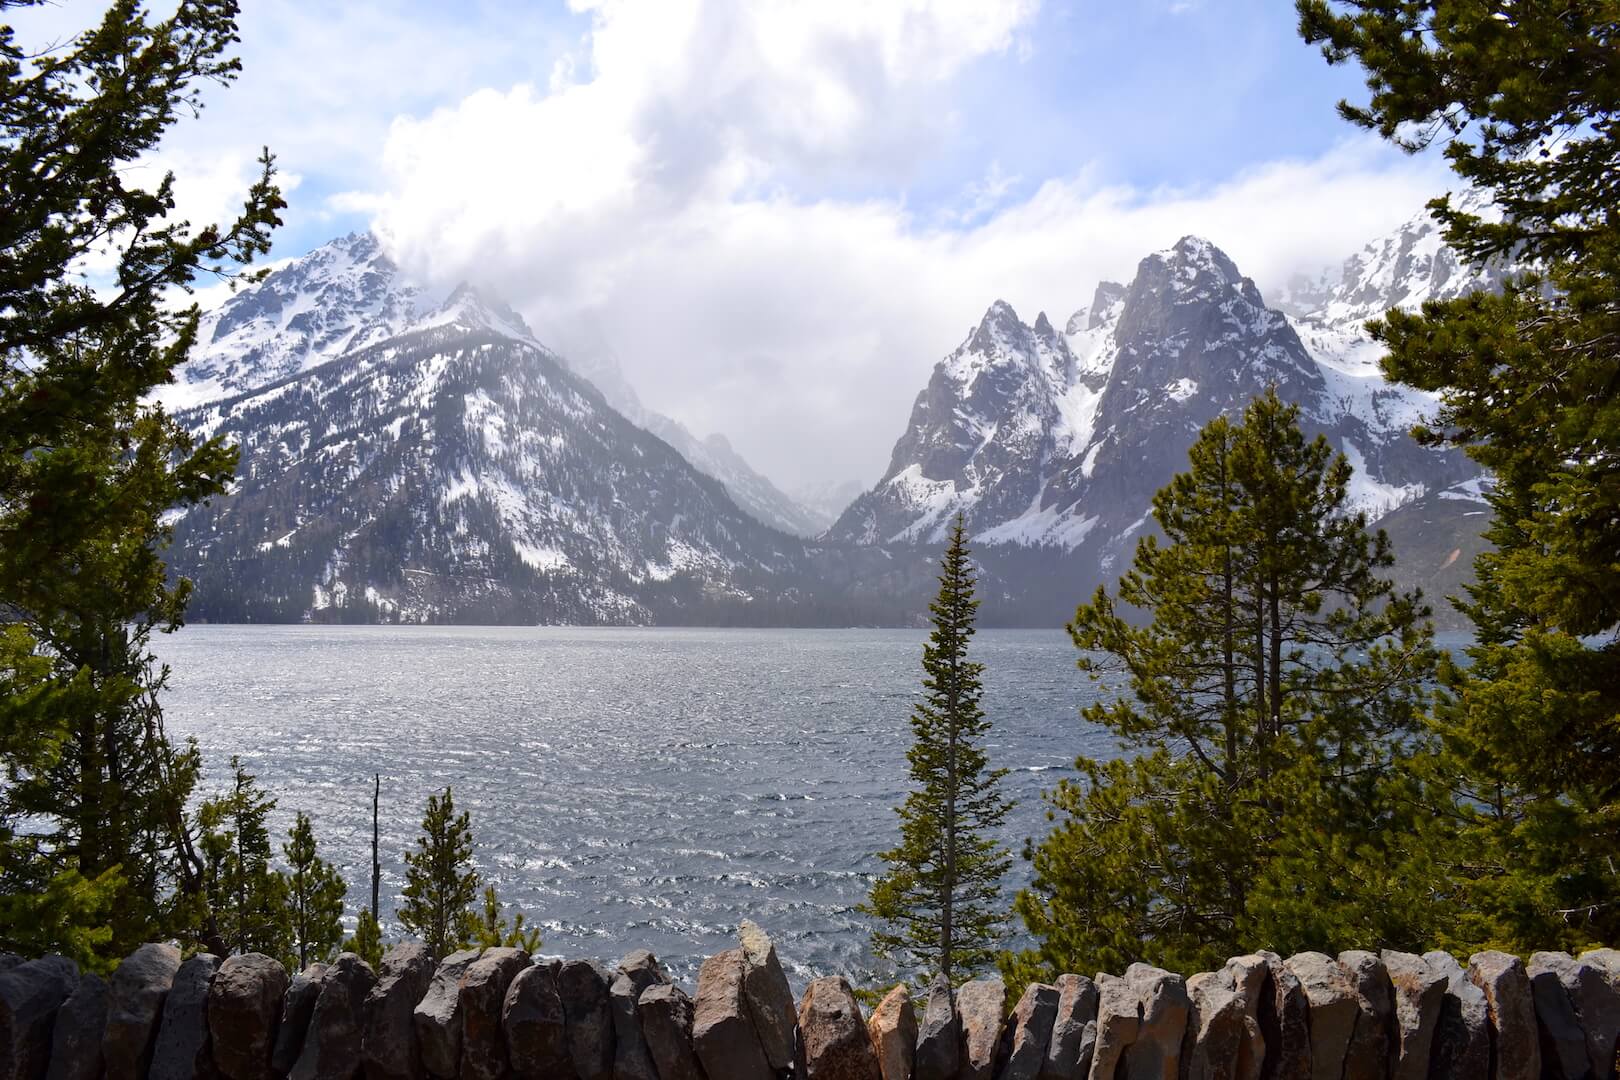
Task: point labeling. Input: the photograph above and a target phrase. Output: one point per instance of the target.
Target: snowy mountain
(1056, 443)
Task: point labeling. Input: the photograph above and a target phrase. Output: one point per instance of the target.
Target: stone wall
(496, 1013)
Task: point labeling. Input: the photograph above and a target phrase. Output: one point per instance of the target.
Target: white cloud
(651, 195)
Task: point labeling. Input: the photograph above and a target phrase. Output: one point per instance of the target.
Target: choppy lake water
(628, 788)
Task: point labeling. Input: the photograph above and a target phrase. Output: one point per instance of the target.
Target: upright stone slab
(1213, 1045)
(1462, 1035)
(1247, 976)
(980, 1005)
(30, 995)
(723, 1031)
(1030, 1032)
(1285, 1022)
(1333, 1010)
(388, 1049)
(483, 994)
(1156, 1053)
(1512, 1011)
(1119, 1022)
(1595, 994)
(333, 1044)
(836, 1043)
(666, 1023)
(893, 1029)
(244, 1008)
(297, 1006)
(583, 986)
(182, 1051)
(939, 1036)
(534, 1026)
(631, 1058)
(769, 998)
(1068, 1053)
(1372, 1043)
(135, 996)
(1568, 1048)
(80, 1023)
(437, 1017)
(1418, 991)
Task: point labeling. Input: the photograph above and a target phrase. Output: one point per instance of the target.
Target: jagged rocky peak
(469, 307)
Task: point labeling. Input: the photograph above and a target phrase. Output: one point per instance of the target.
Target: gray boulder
(980, 1005)
(135, 995)
(1156, 1053)
(182, 1051)
(1512, 1010)
(1333, 999)
(1372, 1043)
(1119, 1022)
(437, 1017)
(483, 996)
(80, 1022)
(939, 1035)
(666, 1023)
(1068, 1053)
(1285, 1022)
(1213, 1045)
(333, 1043)
(1593, 987)
(1029, 1032)
(30, 995)
(723, 1033)
(244, 1007)
(296, 1009)
(1247, 977)
(836, 1043)
(893, 1031)
(768, 996)
(631, 1058)
(1462, 1035)
(1566, 1042)
(388, 1049)
(583, 986)
(533, 1024)
(1418, 991)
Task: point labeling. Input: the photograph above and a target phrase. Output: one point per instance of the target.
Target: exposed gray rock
(437, 1017)
(1418, 991)
(1285, 1022)
(939, 1036)
(296, 1009)
(1333, 1000)
(836, 1043)
(30, 995)
(1593, 985)
(666, 1023)
(332, 1043)
(1030, 1032)
(135, 995)
(1213, 1044)
(1156, 1053)
(80, 1023)
(1119, 1022)
(980, 1005)
(182, 1050)
(893, 1030)
(1462, 1035)
(534, 1025)
(631, 1058)
(1372, 1043)
(1560, 985)
(388, 1047)
(1076, 1014)
(643, 970)
(1246, 976)
(723, 1031)
(768, 996)
(483, 995)
(9, 960)
(244, 1008)
(1512, 1010)
(583, 987)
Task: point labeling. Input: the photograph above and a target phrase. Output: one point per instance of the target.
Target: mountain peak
(1043, 328)
(471, 308)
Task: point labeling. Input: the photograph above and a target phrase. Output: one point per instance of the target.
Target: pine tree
(1269, 702)
(441, 884)
(493, 931)
(247, 899)
(1525, 98)
(87, 469)
(367, 940)
(939, 903)
(314, 896)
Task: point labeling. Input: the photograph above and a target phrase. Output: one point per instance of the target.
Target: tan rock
(893, 1028)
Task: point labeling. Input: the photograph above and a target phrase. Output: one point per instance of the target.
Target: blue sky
(777, 215)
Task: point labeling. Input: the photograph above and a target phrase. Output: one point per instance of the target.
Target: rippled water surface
(628, 788)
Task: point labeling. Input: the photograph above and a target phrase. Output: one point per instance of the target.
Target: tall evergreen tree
(247, 901)
(314, 896)
(366, 942)
(1268, 703)
(87, 469)
(441, 883)
(939, 903)
(1526, 99)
